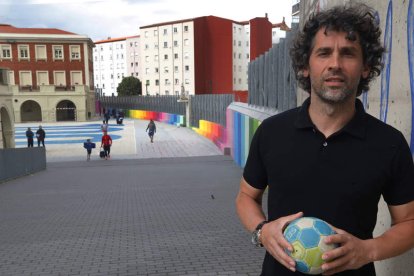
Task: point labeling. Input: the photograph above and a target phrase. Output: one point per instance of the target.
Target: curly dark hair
(358, 21)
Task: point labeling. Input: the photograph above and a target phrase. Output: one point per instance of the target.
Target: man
(329, 159)
(40, 135)
(29, 136)
(106, 143)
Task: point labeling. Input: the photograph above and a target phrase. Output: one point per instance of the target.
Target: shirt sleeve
(400, 190)
(254, 171)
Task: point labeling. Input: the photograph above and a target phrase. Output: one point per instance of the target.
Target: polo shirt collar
(355, 127)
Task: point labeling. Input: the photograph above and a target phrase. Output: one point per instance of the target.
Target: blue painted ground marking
(74, 134)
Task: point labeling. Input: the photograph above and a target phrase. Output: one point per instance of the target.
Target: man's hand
(351, 254)
(275, 243)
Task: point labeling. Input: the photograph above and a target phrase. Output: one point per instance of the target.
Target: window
(11, 78)
(175, 43)
(156, 58)
(42, 77)
(165, 31)
(76, 77)
(239, 56)
(146, 34)
(130, 44)
(60, 78)
(25, 78)
(167, 82)
(155, 32)
(186, 55)
(146, 47)
(175, 30)
(75, 52)
(176, 56)
(146, 70)
(167, 92)
(176, 69)
(146, 58)
(58, 52)
(185, 28)
(166, 69)
(239, 43)
(136, 64)
(165, 57)
(23, 52)
(40, 52)
(186, 42)
(187, 68)
(177, 81)
(156, 70)
(132, 64)
(165, 44)
(156, 45)
(112, 76)
(187, 81)
(5, 51)
(157, 82)
(136, 74)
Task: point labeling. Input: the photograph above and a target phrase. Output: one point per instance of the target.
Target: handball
(306, 235)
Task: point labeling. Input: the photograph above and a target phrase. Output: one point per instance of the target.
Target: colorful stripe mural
(172, 119)
(214, 132)
(241, 129)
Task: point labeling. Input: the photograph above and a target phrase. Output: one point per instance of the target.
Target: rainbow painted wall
(240, 129)
(214, 132)
(172, 119)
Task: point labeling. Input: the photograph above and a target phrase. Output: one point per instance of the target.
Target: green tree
(129, 86)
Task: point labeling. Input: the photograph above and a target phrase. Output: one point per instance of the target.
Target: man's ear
(365, 71)
(305, 72)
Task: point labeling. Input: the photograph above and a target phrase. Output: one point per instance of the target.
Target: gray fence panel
(20, 162)
(271, 79)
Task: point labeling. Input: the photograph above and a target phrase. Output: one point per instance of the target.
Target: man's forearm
(395, 241)
(250, 211)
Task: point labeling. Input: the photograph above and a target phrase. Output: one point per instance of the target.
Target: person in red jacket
(106, 143)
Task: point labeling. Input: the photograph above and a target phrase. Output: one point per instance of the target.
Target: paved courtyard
(128, 216)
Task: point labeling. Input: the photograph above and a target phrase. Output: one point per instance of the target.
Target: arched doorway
(66, 111)
(30, 111)
(6, 129)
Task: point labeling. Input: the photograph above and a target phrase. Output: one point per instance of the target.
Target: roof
(6, 28)
(108, 40)
(282, 25)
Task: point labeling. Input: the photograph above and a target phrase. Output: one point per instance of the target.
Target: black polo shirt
(339, 179)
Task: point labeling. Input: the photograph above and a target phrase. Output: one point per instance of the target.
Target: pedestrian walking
(40, 135)
(151, 128)
(104, 126)
(29, 135)
(88, 145)
(106, 144)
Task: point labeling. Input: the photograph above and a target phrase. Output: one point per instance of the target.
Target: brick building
(50, 73)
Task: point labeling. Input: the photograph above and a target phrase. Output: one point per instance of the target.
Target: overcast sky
(100, 19)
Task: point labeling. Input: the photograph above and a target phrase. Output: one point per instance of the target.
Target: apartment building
(49, 73)
(132, 56)
(110, 65)
(204, 55)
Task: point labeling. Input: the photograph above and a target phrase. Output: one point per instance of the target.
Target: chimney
(266, 15)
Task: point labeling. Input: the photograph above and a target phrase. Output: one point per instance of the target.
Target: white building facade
(133, 61)
(110, 64)
(167, 53)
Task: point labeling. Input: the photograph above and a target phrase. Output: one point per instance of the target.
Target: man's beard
(333, 95)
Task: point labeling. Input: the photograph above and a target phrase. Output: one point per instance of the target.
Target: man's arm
(249, 206)
(354, 253)
(249, 209)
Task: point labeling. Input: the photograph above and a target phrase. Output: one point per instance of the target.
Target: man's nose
(334, 62)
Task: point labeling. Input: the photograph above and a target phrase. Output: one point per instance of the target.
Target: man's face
(335, 66)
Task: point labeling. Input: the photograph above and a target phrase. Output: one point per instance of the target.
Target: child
(88, 145)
